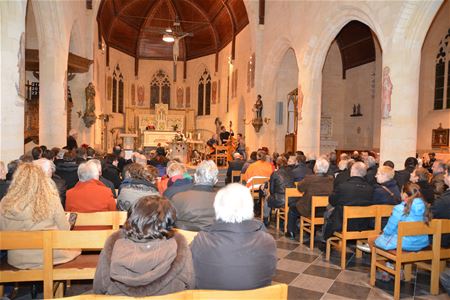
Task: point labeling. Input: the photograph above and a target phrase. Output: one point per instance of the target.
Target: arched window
(159, 89)
(204, 94)
(442, 79)
(117, 91)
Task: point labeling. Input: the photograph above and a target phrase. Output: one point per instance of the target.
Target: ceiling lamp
(168, 36)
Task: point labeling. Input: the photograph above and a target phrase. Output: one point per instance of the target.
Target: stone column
(52, 95)
(308, 134)
(399, 132)
(12, 17)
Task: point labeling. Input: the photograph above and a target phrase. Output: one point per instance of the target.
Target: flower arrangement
(179, 137)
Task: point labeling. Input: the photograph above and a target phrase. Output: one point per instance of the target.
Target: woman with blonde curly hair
(32, 203)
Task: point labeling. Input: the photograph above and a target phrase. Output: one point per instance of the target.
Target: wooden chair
(339, 239)
(272, 292)
(21, 240)
(308, 223)
(400, 257)
(444, 255)
(234, 174)
(189, 235)
(256, 182)
(104, 218)
(354, 212)
(82, 267)
(282, 212)
(221, 154)
(383, 211)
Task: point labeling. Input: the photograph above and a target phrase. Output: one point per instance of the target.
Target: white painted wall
(429, 118)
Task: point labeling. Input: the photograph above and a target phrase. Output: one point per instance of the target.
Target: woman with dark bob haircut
(146, 257)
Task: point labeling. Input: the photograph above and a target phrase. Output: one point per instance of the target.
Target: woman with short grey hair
(206, 173)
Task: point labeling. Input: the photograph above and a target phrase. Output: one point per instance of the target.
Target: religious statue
(89, 116)
(258, 107)
(257, 122)
(386, 94)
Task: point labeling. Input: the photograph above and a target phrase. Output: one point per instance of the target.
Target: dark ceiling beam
(233, 29)
(355, 43)
(75, 63)
(262, 11)
(126, 21)
(151, 10)
(205, 15)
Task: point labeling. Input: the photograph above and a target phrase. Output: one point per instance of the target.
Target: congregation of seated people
(232, 250)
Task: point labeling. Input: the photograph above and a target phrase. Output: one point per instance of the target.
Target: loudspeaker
(279, 113)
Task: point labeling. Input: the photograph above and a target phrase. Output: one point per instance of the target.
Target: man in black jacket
(356, 191)
(441, 206)
(110, 170)
(301, 169)
(235, 165)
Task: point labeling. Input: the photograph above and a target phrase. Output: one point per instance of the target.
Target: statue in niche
(89, 116)
(258, 107)
(386, 94)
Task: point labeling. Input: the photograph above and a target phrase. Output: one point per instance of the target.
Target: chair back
(358, 212)
(419, 228)
(445, 229)
(103, 218)
(291, 192)
(22, 240)
(234, 174)
(383, 211)
(256, 182)
(273, 292)
(188, 235)
(316, 202)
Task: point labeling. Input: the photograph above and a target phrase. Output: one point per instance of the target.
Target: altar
(160, 127)
(153, 138)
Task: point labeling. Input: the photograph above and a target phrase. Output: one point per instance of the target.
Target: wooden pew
(272, 292)
(115, 219)
(21, 240)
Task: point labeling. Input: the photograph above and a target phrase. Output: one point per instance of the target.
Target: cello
(231, 144)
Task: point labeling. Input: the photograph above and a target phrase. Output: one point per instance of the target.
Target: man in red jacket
(89, 194)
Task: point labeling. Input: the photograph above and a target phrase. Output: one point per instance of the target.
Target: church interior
(315, 77)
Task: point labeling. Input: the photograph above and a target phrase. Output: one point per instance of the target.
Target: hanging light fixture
(168, 36)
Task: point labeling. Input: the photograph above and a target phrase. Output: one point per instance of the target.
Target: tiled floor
(310, 277)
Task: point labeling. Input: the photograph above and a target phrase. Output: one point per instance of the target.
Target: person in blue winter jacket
(412, 209)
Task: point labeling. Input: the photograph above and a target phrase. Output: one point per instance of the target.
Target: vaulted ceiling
(132, 26)
(356, 45)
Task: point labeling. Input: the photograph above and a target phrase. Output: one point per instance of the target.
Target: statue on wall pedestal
(257, 122)
(386, 94)
(258, 107)
(89, 116)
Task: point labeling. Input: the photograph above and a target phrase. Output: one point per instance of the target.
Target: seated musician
(224, 135)
(212, 143)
